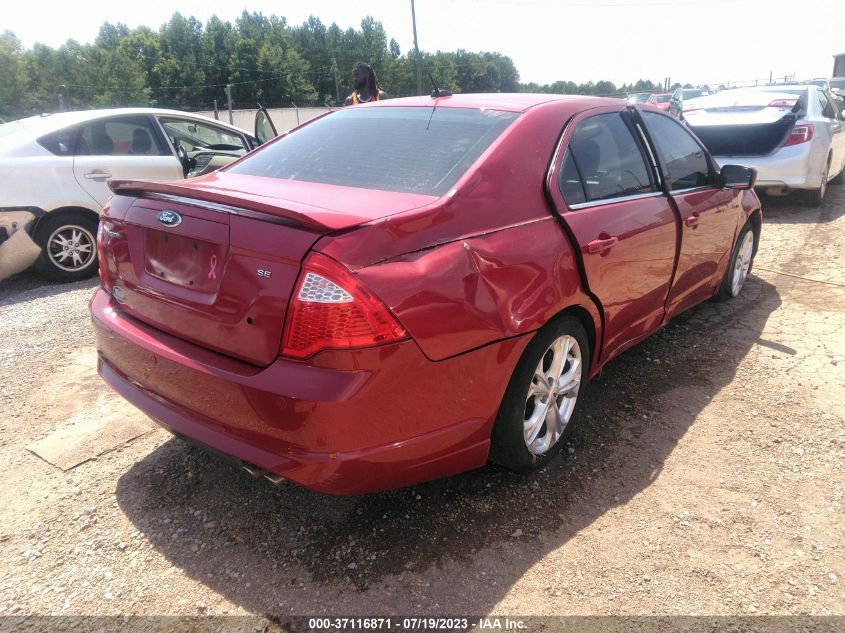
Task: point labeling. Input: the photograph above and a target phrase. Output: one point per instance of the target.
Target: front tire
(739, 267)
(541, 397)
(68, 243)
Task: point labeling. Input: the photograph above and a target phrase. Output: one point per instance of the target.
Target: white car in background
(55, 168)
(793, 135)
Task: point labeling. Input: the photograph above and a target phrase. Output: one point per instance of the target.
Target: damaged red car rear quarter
(469, 276)
(487, 262)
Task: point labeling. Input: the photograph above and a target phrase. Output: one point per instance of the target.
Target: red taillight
(787, 104)
(330, 309)
(800, 134)
(101, 256)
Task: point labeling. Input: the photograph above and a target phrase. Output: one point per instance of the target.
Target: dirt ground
(705, 477)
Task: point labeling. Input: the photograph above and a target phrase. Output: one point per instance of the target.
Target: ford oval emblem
(169, 218)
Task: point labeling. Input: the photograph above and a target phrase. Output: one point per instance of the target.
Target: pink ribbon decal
(212, 271)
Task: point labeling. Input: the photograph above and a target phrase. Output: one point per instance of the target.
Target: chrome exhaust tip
(260, 473)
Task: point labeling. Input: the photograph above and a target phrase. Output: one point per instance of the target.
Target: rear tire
(815, 197)
(537, 408)
(68, 242)
(840, 177)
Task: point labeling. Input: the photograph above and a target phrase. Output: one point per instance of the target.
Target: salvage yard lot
(706, 476)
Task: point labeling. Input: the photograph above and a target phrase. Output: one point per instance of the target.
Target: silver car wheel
(742, 263)
(71, 248)
(552, 394)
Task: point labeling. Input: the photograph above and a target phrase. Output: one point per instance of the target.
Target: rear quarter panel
(44, 181)
(471, 292)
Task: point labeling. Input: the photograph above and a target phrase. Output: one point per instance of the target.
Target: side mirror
(738, 177)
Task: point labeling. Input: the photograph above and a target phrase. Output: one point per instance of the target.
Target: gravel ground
(705, 477)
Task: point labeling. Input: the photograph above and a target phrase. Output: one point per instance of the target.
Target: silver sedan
(793, 135)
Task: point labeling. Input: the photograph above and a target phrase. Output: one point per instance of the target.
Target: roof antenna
(437, 92)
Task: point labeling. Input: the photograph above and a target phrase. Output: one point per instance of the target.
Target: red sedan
(401, 291)
(660, 101)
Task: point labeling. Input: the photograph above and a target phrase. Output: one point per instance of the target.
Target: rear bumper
(343, 423)
(793, 167)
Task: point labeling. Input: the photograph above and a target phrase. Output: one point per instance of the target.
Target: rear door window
(119, 136)
(608, 158)
(412, 150)
(683, 161)
(827, 108)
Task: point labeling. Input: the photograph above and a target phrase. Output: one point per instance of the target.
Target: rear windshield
(409, 150)
(663, 98)
(837, 84)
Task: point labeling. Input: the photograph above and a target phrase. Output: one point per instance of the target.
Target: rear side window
(684, 162)
(123, 136)
(570, 182)
(411, 150)
(60, 143)
(608, 158)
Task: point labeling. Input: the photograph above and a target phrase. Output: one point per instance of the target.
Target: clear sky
(703, 41)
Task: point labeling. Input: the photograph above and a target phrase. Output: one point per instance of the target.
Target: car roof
(49, 122)
(508, 102)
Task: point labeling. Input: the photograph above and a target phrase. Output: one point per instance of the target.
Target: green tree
(12, 78)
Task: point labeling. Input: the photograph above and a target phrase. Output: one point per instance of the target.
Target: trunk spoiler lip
(227, 203)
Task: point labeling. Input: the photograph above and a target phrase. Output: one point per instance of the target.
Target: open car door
(264, 128)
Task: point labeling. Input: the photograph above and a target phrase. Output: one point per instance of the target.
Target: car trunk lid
(216, 265)
(744, 123)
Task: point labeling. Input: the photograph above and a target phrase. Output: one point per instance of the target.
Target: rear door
(709, 214)
(833, 122)
(121, 148)
(624, 227)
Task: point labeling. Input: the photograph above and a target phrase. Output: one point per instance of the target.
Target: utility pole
(229, 100)
(336, 88)
(417, 49)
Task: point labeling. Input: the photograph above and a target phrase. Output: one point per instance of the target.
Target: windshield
(640, 97)
(690, 94)
(663, 98)
(410, 150)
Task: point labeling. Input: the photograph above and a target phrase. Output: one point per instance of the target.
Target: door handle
(692, 220)
(597, 246)
(97, 175)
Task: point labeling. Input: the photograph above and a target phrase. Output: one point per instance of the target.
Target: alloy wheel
(742, 263)
(71, 248)
(552, 394)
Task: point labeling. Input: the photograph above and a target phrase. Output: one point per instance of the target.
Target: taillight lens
(330, 309)
(101, 256)
(800, 134)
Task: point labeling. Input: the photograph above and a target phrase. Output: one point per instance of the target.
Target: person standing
(366, 85)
